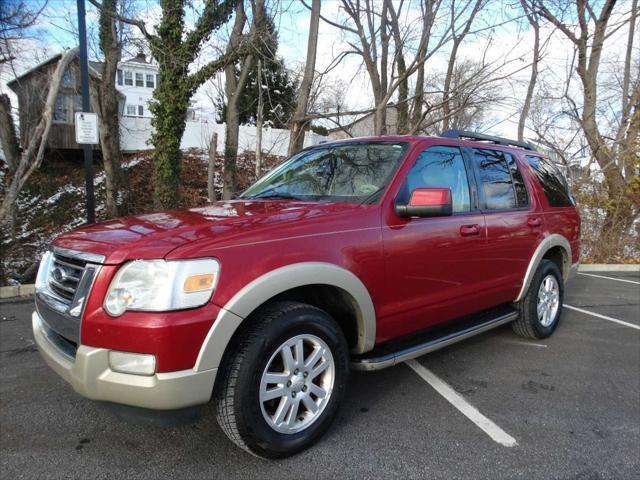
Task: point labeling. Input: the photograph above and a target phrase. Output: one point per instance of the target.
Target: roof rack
(486, 138)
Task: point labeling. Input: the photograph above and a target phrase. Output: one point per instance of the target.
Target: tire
(529, 323)
(253, 423)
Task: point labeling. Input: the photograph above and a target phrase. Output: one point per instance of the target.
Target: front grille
(62, 291)
(65, 275)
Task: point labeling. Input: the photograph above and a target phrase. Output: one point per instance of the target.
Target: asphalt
(572, 402)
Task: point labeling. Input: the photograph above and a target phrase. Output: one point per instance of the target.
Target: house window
(77, 103)
(131, 110)
(61, 110)
(139, 80)
(120, 75)
(157, 80)
(150, 81)
(140, 110)
(68, 78)
(128, 78)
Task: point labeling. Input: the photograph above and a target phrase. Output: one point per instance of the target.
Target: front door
(434, 267)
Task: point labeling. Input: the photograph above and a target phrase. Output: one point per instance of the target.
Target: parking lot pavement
(571, 402)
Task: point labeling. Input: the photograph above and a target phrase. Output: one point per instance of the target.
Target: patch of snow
(65, 190)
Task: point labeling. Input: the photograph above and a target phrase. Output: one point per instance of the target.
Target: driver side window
(439, 167)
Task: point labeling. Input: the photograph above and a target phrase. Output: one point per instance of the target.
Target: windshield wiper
(274, 195)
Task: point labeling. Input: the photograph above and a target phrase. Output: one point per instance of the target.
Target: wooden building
(32, 88)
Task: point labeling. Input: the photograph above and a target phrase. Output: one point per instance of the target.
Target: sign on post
(86, 128)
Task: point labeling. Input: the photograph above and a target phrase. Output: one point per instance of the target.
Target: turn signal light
(198, 283)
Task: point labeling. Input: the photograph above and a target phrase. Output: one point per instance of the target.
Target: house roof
(94, 70)
(139, 58)
(390, 106)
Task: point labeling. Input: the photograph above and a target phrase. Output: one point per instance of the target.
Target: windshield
(355, 173)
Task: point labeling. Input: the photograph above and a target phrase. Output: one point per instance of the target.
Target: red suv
(354, 254)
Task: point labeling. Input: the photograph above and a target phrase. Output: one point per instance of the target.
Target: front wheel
(541, 307)
(282, 381)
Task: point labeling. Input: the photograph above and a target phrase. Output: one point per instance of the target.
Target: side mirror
(427, 202)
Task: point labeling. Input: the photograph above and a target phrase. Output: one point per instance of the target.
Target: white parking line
(604, 317)
(610, 278)
(471, 412)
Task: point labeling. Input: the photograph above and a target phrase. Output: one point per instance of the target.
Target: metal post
(86, 107)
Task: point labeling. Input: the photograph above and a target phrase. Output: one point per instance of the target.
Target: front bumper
(89, 375)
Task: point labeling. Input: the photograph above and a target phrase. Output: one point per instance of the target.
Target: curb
(601, 267)
(13, 291)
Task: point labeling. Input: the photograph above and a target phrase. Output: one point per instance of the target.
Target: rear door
(514, 220)
(434, 266)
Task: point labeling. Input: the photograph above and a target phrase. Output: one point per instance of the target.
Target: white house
(136, 80)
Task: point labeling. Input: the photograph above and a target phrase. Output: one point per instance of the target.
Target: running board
(382, 357)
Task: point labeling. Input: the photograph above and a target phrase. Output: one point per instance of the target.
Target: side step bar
(430, 344)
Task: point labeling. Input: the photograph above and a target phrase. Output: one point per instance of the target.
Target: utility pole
(86, 107)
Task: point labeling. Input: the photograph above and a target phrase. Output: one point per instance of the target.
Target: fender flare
(554, 240)
(277, 281)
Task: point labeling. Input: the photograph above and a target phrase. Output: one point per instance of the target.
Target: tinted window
(522, 198)
(495, 179)
(439, 167)
(553, 183)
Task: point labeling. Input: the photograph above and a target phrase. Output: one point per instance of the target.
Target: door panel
(515, 226)
(435, 267)
(434, 273)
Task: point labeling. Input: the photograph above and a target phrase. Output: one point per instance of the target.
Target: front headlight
(161, 286)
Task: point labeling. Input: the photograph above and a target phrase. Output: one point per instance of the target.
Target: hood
(155, 235)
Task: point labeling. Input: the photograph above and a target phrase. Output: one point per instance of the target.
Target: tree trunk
(11, 149)
(169, 122)
(524, 113)
(259, 123)
(418, 99)
(446, 110)
(107, 111)
(457, 40)
(213, 147)
(8, 136)
(299, 122)
(234, 87)
(403, 89)
(33, 152)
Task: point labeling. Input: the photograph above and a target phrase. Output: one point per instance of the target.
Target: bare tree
(429, 10)
(16, 16)
(371, 30)
(532, 17)
(34, 148)
(235, 83)
(299, 121)
(612, 157)
(106, 106)
(457, 37)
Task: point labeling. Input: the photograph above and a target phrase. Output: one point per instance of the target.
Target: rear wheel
(541, 308)
(281, 383)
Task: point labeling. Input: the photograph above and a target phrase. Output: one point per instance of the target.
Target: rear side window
(522, 198)
(554, 185)
(500, 180)
(439, 167)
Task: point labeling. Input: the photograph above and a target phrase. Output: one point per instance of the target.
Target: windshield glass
(356, 173)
